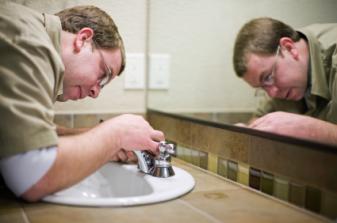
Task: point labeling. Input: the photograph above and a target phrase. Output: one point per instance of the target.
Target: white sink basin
(123, 185)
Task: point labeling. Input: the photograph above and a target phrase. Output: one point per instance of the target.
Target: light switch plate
(159, 71)
(134, 74)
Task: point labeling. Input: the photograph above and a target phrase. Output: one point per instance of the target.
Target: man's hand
(299, 126)
(124, 156)
(132, 132)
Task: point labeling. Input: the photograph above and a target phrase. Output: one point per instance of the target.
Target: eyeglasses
(108, 74)
(269, 80)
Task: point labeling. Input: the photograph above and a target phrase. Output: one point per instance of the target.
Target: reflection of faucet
(160, 165)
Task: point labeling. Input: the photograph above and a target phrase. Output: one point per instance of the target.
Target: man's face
(85, 70)
(281, 75)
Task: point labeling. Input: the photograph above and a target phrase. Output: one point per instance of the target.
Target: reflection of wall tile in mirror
(200, 135)
(212, 162)
(232, 145)
(254, 178)
(232, 170)
(329, 204)
(297, 194)
(243, 174)
(182, 132)
(64, 120)
(281, 189)
(222, 167)
(313, 199)
(267, 183)
(166, 124)
(203, 159)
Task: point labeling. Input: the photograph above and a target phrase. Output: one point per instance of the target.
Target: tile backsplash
(299, 174)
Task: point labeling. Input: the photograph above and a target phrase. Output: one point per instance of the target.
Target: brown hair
(259, 36)
(106, 33)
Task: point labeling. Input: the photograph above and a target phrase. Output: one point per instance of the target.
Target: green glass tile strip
(243, 174)
(329, 204)
(313, 199)
(180, 152)
(267, 183)
(203, 159)
(232, 170)
(212, 162)
(254, 178)
(187, 155)
(297, 194)
(281, 189)
(195, 157)
(222, 167)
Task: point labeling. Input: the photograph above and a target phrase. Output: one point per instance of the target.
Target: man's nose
(272, 91)
(94, 91)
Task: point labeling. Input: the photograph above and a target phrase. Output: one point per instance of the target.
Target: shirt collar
(318, 82)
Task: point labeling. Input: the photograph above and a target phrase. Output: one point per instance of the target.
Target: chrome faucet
(160, 165)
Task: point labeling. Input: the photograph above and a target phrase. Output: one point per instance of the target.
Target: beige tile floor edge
(214, 199)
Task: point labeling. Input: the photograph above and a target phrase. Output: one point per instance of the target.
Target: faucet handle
(166, 149)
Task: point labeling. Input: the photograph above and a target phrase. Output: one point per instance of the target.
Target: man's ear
(288, 44)
(82, 37)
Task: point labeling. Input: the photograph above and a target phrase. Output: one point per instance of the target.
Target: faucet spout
(145, 161)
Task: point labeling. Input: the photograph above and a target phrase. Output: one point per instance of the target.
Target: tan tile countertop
(214, 199)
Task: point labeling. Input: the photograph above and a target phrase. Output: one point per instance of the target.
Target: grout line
(24, 216)
(205, 214)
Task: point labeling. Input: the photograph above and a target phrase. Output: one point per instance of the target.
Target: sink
(118, 184)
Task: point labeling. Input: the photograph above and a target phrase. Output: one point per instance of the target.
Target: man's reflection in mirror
(296, 69)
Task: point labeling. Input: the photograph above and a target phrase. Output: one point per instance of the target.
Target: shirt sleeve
(22, 171)
(26, 96)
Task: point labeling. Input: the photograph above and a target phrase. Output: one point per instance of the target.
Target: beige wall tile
(85, 120)
(64, 120)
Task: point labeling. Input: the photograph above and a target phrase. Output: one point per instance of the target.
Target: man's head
(92, 51)
(271, 55)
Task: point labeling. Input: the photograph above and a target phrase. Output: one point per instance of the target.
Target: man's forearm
(77, 157)
(322, 131)
(298, 126)
(80, 155)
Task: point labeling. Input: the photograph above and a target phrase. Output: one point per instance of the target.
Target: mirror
(197, 38)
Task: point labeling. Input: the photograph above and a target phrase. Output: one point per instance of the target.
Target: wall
(199, 35)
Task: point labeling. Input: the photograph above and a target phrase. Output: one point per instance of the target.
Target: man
(45, 58)
(297, 69)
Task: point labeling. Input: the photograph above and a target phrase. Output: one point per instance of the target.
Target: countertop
(214, 199)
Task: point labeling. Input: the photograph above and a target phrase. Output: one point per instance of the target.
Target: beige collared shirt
(321, 101)
(31, 75)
